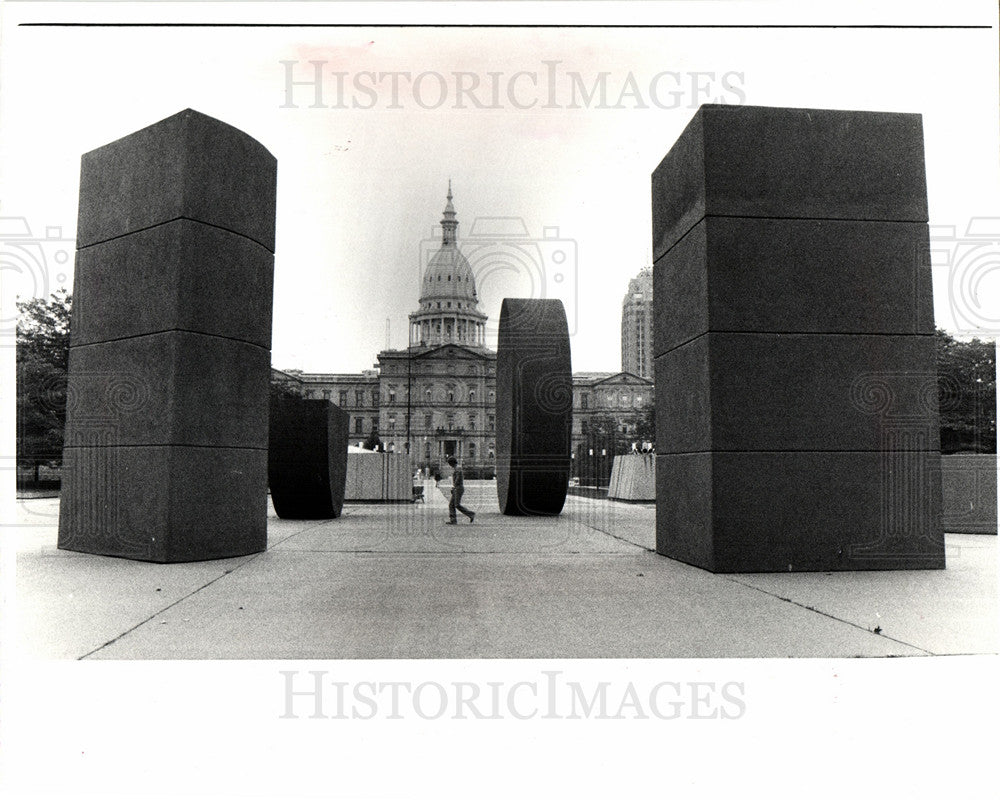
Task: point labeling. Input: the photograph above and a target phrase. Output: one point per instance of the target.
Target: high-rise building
(637, 325)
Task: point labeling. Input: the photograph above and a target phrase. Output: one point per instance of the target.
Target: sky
(551, 182)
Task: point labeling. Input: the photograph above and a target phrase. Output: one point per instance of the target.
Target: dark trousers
(455, 504)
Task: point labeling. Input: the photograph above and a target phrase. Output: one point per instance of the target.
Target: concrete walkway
(393, 581)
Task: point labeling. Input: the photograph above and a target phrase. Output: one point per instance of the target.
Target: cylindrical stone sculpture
(165, 455)
(534, 405)
(307, 458)
(796, 386)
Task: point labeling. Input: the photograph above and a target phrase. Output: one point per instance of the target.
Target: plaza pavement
(393, 581)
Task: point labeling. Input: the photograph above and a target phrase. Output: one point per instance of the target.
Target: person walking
(457, 489)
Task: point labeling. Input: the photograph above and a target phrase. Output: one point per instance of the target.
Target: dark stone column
(167, 402)
(534, 405)
(307, 458)
(796, 385)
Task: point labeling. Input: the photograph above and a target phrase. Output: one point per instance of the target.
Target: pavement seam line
(619, 538)
(825, 614)
(317, 524)
(153, 616)
(784, 599)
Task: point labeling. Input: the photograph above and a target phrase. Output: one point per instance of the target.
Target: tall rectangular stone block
(181, 274)
(789, 163)
(800, 511)
(811, 276)
(188, 166)
(167, 399)
(164, 504)
(796, 390)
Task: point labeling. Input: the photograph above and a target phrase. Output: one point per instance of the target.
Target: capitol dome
(448, 276)
(449, 306)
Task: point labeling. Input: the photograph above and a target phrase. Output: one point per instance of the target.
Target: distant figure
(457, 489)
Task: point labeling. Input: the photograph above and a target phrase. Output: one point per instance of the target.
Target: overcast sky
(362, 181)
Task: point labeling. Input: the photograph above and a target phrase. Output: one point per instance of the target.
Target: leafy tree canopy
(42, 345)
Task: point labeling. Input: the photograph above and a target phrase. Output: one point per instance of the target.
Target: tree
(967, 393)
(42, 348)
(603, 440)
(284, 385)
(373, 442)
(645, 428)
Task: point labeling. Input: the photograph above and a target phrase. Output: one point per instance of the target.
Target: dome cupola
(449, 305)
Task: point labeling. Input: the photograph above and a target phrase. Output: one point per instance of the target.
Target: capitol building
(436, 398)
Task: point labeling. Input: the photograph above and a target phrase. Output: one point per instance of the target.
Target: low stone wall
(969, 493)
(633, 477)
(593, 492)
(376, 477)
